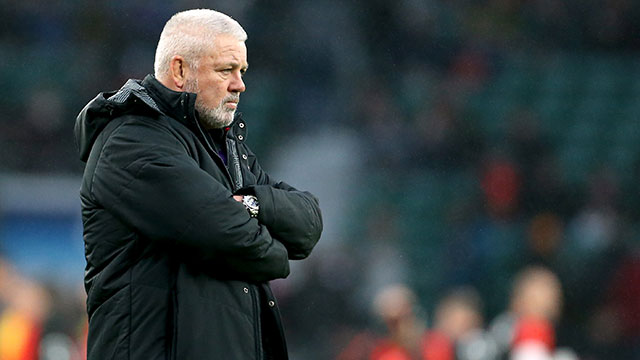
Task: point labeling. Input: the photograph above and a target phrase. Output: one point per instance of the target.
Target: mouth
(232, 104)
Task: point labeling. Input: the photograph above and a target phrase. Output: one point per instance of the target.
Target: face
(218, 81)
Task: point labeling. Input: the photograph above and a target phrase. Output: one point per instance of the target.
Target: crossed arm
(164, 195)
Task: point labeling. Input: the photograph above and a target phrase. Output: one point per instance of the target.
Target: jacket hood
(102, 109)
(90, 122)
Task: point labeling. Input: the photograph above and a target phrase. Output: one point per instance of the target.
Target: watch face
(252, 205)
(251, 201)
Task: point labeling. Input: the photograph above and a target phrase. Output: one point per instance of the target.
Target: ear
(179, 72)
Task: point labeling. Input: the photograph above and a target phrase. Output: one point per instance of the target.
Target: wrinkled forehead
(227, 49)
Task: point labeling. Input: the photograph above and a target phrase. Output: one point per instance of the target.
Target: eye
(226, 71)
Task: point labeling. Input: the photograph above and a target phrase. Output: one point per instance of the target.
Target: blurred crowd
(525, 330)
(316, 61)
(38, 322)
(465, 239)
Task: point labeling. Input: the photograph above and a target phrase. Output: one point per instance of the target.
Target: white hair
(189, 34)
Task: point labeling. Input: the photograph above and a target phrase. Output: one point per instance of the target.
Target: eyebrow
(235, 65)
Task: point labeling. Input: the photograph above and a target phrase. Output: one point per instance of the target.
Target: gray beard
(212, 118)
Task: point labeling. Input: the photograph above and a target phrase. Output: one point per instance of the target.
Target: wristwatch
(251, 203)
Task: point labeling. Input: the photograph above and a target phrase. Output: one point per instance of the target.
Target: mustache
(232, 97)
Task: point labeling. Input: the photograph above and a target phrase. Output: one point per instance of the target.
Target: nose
(236, 84)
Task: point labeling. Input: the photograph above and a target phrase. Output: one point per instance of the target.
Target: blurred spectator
(623, 295)
(595, 227)
(24, 306)
(543, 186)
(64, 335)
(459, 317)
(593, 247)
(359, 347)
(614, 325)
(406, 336)
(545, 236)
(457, 332)
(502, 186)
(527, 330)
(36, 323)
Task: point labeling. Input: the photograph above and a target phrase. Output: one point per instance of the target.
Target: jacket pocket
(206, 330)
(215, 317)
(152, 323)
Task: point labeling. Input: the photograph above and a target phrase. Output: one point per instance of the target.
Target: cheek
(218, 91)
(212, 96)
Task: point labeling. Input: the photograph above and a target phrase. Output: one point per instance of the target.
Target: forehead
(227, 49)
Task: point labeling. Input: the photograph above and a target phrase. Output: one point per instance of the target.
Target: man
(526, 329)
(182, 227)
(397, 306)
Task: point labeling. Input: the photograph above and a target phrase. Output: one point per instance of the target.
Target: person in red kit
(526, 330)
(407, 338)
(457, 332)
(537, 302)
(24, 307)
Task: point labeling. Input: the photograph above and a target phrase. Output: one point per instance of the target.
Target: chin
(217, 120)
(227, 122)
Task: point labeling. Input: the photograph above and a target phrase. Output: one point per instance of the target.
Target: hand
(237, 198)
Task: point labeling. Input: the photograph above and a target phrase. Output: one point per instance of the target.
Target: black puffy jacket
(176, 268)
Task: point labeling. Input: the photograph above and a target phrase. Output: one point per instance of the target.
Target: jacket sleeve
(291, 215)
(146, 178)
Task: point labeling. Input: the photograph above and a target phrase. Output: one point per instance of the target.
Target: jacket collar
(181, 106)
(177, 105)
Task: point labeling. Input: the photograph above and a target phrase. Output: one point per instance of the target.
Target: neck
(168, 83)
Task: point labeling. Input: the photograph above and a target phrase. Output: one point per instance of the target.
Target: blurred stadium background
(451, 142)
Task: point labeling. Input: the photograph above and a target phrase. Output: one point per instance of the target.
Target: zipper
(256, 319)
(234, 160)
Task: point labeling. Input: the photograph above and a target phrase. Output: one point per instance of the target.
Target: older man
(182, 227)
